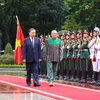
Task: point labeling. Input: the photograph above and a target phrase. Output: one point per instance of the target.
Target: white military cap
(97, 29)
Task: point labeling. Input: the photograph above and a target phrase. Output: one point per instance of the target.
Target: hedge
(11, 66)
(7, 59)
(13, 74)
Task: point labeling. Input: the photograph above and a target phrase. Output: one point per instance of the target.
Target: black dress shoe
(37, 84)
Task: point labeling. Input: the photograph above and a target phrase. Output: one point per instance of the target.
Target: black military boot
(57, 76)
(80, 75)
(94, 81)
(67, 75)
(40, 73)
(72, 78)
(77, 76)
(44, 73)
(84, 76)
(61, 76)
(97, 75)
(90, 75)
(98, 83)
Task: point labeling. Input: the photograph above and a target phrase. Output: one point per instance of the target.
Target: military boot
(67, 75)
(94, 81)
(73, 77)
(57, 76)
(98, 83)
(77, 76)
(84, 76)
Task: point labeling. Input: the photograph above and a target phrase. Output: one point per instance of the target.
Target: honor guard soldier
(61, 64)
(90, 66)
(42, 64)
(65, 53)
(94, 47)
(71, 56)
(84, 55)
(77, 59)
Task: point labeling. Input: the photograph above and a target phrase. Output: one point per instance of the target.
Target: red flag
(18, 44)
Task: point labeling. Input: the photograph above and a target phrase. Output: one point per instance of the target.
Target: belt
(84, 50)
(76, 50)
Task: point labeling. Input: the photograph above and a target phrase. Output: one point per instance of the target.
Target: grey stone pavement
(23, 96)
(10, 93)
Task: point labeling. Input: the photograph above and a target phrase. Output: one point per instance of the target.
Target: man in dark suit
(32, 56)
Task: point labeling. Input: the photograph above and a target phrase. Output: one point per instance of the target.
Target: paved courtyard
(8, 93)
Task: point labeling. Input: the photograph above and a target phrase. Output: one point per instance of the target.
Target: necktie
(33, 42)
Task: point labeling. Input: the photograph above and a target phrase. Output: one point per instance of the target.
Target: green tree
(43, 16)
(85, 12)
(8, 49)
(71, 24)
(47, 14)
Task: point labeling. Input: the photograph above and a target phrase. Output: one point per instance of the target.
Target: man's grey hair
(31, 30)
(54, 31)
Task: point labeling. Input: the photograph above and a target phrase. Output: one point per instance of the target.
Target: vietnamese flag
(18, 43)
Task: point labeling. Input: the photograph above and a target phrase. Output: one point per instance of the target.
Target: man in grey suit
(53, 53)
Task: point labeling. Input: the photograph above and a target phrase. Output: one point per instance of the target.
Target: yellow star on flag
(18, 43)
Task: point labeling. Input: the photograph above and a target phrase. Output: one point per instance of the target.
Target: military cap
(79, 31)
(67, 33)
(73, 33)
(97, 29)
(86, 32)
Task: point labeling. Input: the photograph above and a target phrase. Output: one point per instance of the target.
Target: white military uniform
(94, 47)
(91, 46)
(97, 48)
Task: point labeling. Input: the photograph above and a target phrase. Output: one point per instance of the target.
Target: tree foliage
(8, 49)
(40, 14)
(43, 16)
(84, 13)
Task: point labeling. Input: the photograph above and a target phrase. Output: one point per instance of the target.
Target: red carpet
(58, 91)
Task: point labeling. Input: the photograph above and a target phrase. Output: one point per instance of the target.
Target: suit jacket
(31, 54)
(52, 52)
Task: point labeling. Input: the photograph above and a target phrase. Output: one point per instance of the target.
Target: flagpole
(16, 17)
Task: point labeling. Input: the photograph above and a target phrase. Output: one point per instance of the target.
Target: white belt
(76, 50)
(84, 50)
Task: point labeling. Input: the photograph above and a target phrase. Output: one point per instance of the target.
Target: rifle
(94, 56)
(73, 52)
(78, 55)
(67, 57)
